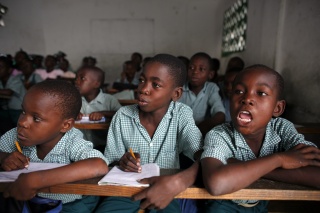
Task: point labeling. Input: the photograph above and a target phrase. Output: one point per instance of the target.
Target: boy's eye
(237, 91)
(36, 119)
(156, 85)
(141, 80)
(262, 93)
(23, 112)
(191, 67)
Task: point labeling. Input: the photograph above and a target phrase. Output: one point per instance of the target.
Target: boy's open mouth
(245, 117)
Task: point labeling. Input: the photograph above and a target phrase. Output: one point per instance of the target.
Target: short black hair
(96, 70)
(176, 68)
(6, 60)
(65, 96)
(204, 55)
(279, 78)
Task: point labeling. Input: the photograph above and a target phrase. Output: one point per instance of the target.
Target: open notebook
(118, 177)
(11, 176)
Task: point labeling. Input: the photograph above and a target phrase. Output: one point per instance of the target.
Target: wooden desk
(260, 190)
(92, 125)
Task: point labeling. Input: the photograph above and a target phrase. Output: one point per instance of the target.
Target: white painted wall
(283, 34)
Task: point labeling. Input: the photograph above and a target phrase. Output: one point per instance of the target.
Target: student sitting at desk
(201, 95)
(95, 103)
(46, 134)
(28, 76)
(12, 87)
(255, 144)
(157, 129)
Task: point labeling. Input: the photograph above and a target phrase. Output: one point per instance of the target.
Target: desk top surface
(260, 190)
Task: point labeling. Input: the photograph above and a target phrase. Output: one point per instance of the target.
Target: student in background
(158, 128)
(201, 95)
(226, 90)
(255, 144)
(235, 62)
(215, 68)
(12, 87)
(28, 76)
(46, 134)
(89, 61)
(50, 71)
(95, 103)
(19, 58)
(128, 74)
(37, 61)
(64, 66)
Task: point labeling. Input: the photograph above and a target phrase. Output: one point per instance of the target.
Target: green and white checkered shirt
(72, 147)
(176, 133)
(224, 142)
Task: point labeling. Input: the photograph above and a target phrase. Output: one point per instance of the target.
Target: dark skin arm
(206, 125)
(95, 116)
(28, 184)
(163, 189)
(7, 92)
(221, 179)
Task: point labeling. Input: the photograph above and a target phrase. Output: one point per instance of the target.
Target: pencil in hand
(131, 152)
(19, 149)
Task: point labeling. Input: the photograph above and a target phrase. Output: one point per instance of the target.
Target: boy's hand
(300, 156)
(79, 117)
(160, 193)
(14, 161)
(95, 116)
(128, 163)
(21, 189)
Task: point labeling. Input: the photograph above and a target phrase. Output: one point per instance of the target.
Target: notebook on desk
(85, 120)
(11, 176)
(118, 177)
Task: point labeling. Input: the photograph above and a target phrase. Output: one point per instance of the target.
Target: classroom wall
(282, 34)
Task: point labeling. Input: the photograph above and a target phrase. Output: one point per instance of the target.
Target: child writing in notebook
(95, 103)
(201, 95)
(157, 129)
(256, 144)
(45, 133)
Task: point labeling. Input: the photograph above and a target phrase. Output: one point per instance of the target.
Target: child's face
(50, 62)
(254, 101)
(130, 71)
(199, 71)
(86, 82)
(40, 123)
(156, 88)
(27, 68)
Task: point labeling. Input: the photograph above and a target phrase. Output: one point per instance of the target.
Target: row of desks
(260, 190)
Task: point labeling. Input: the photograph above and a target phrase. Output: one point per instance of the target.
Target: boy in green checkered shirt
(256, 144)
(157, 129)
(46, 134)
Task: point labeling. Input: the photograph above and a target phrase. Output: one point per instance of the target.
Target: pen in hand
(19, 149)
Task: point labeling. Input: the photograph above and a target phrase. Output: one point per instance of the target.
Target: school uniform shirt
(15, 84)
(71, 148)
(103, 102)
(176, 133)
(52, 75)
(33, 79)
(204, 105)
(224, 142)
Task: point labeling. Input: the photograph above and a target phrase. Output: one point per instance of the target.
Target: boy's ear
(279, 109)
(177, 93)
(67, 125)
(211, 74)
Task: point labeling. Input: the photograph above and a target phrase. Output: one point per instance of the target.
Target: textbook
(118, 177)
(11, 176)
(85, 119)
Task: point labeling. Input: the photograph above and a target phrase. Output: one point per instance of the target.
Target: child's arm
(7, 92)
(95, 116)
(27, 184)
(222, 179)
(206, 125)
(163, 189)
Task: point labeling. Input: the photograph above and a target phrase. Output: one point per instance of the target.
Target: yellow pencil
(132, 153)
(19, 149)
